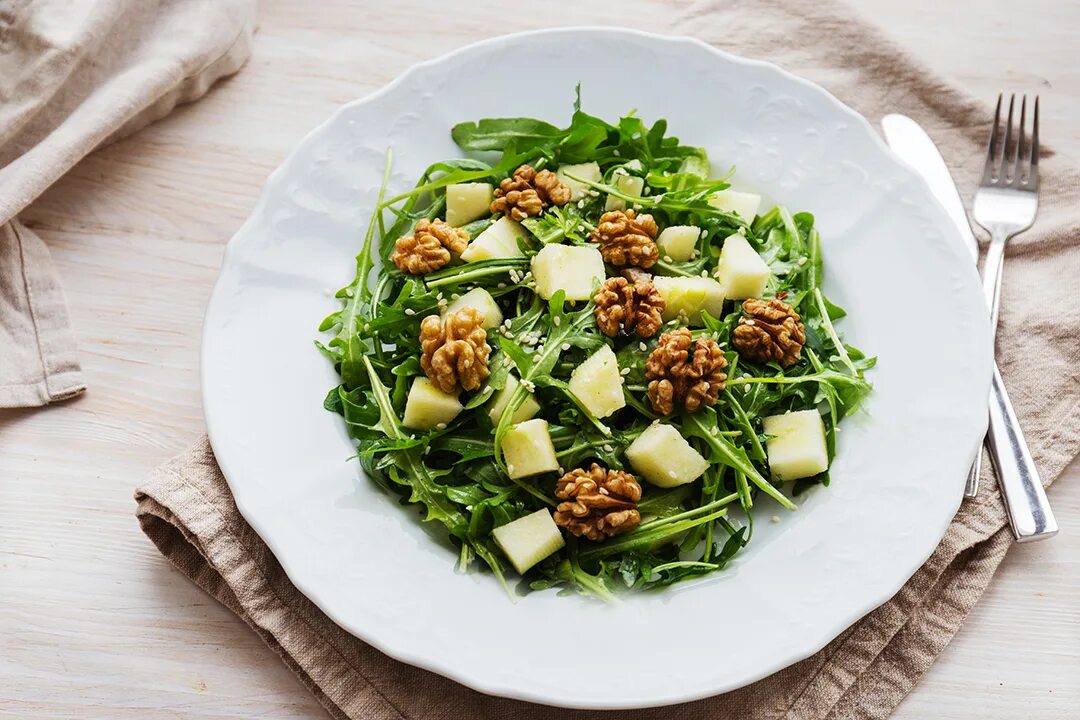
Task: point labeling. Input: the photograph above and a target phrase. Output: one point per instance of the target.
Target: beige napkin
(74, 76)
(186, 509)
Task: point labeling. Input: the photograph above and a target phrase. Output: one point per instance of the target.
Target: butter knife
(908, 140)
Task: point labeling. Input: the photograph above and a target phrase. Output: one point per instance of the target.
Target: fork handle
(1025, 500)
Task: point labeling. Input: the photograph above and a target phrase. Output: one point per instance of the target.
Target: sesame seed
(440, 426)
(510, 469)
(749, 321)
(671, 474)
(646, 191)
(562, 470)
(328, 292)
(615, 152)
(594, 193)
(580, 204)
(704, 232)
(608, 448)
(643, 347)
(454, 296)
(802, 261)
(581, 227)
(501, 285)
(565, 346)
(624, 371)
(508, 335)
(774, 519)
(704, 273)
(438, 296)
(557, 321)
(506, 322)
(742, 231)
(410, 311)
(536, 357)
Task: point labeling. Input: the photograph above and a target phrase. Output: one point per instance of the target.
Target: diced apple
(688, 296)
(741, 271)
(466, 202)
(572, 268)
(679, 241)
(744, 204)
(528, 540)
(796, 446)
(527, 449)
(427, 406)
(498, 403)
(597, 384)
(663, 457)
(498, 241)
(586, 171)
(627, 185)
(481, 300)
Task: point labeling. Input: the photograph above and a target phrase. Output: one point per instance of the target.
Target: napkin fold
(73, 77)
(186, 509)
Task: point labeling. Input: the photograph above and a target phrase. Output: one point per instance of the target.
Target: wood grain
(95, 624)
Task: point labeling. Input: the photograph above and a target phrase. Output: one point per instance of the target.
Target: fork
(1005, 205)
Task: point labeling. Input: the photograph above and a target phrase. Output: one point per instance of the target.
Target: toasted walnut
(627, 238)
(631, 303)
(769, 331)
(528, 193)
(599, 502)
(429, 247)
(455, 350)
(680, 370)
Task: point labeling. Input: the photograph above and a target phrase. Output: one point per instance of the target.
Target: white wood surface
(95, 624)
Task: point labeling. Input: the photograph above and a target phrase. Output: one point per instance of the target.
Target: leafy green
(456, 474)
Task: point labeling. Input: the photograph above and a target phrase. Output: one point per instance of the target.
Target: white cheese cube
(744, 204)
(678, 242)
(466, 202)
(741, 271)
(627, 185)
(597, 384)
(528, 540)
(498, 403)
(527, 449)
(498, 241)
(427, 406)
(481, 300)
(663, 457)
(796, 446)
(572, 268)
(688, 296)
(586, 171)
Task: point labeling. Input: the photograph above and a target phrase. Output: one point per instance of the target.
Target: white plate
(892, 258)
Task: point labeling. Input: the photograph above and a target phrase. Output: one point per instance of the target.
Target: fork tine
(1033, 171)
(988, 169)
(1020, 170)
(1004, 170)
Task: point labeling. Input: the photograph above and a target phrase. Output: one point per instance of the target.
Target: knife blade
(908, 140)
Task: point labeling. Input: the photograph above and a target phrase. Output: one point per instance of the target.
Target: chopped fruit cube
(466, 202)
(628, 185)
(574, 269)
(498, 241)
(498, 403)
(586, 171)
(688, 296)
(528, 540)
(741, 271)
(744, 204)
(662, 456)
(427, 406)
(796, 446)
(481, 300)
(678, 242)
(597, 384)
(527, 449)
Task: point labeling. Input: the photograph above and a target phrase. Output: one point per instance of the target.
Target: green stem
(819, 300)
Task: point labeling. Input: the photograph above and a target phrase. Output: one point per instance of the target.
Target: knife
(908, 140)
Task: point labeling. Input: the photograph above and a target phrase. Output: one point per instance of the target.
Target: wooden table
(94, 623)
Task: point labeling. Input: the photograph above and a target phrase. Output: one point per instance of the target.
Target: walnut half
(686, 372)
(528, 193)
(631, 303)
(455, 350)
(769, 331)
(599, 502)
(429, 247)
(626, 238)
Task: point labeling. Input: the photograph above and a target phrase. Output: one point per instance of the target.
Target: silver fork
(1005, 205)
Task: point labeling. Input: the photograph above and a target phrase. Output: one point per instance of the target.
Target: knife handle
(1025, 500)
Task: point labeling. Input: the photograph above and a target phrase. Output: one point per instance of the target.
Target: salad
(588, 359)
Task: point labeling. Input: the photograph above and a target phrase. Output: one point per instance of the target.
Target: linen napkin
(186, 509)
(74, 76)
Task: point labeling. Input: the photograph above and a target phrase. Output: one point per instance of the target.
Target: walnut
(529, 193)
(627, 238)
(599, 502)
(631, 303)
(769, 331)
(429, 247)
(681, 370)
(455, 350)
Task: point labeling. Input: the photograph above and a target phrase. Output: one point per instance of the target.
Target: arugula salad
(587, 358)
